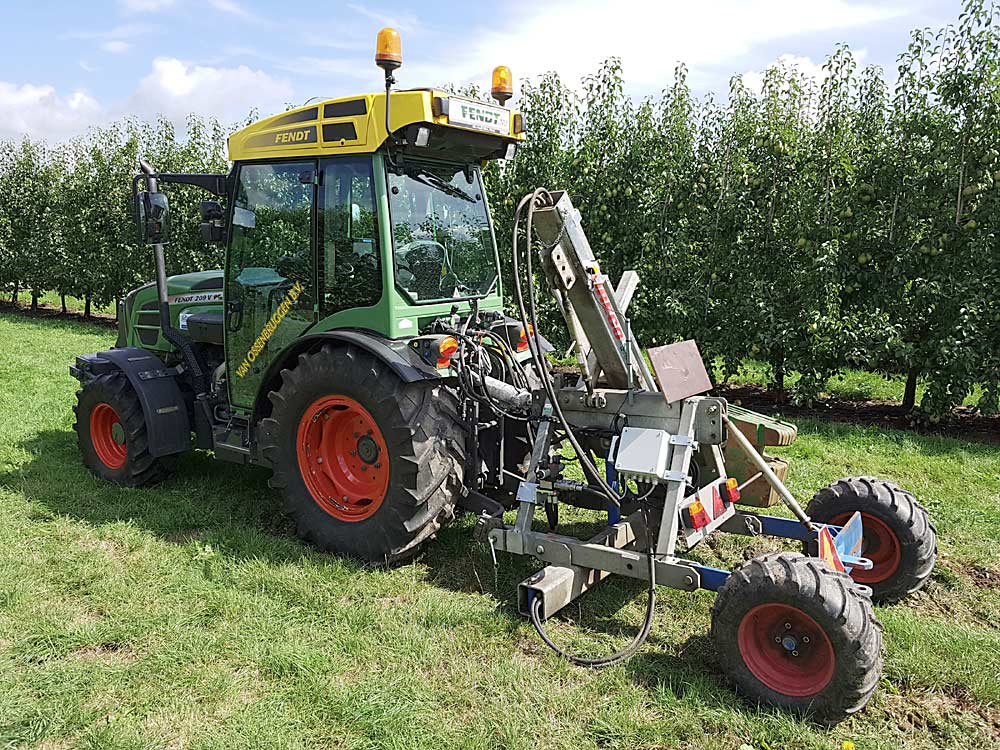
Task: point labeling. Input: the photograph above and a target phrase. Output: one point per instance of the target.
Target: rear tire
(792, 632)
(899, 536)
(111, 433)
(383, 475)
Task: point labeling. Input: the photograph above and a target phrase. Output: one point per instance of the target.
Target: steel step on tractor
(356, 342)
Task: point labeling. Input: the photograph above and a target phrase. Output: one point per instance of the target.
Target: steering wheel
(424, 267)
(410, 246)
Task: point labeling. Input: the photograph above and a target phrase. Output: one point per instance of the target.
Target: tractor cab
(363, 213)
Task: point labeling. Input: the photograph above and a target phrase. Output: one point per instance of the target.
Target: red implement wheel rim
(879, 544)
(343, 458)
(107, 435)
(786, 650)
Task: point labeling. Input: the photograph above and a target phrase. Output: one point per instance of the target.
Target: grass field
(186, 616)
(861, 385)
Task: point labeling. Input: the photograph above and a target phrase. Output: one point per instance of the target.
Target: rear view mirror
(212, 227)
(152, 212)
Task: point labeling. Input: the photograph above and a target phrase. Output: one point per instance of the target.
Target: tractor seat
(206, 327)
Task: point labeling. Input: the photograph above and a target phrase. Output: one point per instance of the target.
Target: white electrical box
(642, 453)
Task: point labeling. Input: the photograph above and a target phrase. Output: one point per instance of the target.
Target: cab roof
(356, 125)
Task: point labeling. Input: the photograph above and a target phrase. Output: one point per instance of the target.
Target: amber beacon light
(388, 50)
(503, 84)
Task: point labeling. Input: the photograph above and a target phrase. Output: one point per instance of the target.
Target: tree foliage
(812, 223)
(815, 224)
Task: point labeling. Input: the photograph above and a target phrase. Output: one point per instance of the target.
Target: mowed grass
(188, 616)
(861, 385)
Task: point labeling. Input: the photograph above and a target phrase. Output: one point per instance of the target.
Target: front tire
(111, 433)
(792, 632)
(899, 537)
(369, 466)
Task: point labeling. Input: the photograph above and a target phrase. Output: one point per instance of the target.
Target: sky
(65, 66)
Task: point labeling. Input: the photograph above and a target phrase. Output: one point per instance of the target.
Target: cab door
(270, 269)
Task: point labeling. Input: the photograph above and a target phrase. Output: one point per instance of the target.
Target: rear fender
(397, 355)
(163, 406)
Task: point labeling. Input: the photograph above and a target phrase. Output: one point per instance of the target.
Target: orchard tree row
(814, 224)
(66, 221)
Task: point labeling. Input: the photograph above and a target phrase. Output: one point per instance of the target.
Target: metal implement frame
(646, 541)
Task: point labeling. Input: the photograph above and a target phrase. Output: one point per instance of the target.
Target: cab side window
(272, 224)
(351, 266)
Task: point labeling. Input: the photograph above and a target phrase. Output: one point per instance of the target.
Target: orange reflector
(731, 491)
(446, 350)
(522, 342)
(695, 516)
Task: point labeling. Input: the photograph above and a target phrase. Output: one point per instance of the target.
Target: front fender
(163, 406)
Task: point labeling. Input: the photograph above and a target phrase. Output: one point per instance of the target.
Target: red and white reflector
(718, 504)
(609, 310)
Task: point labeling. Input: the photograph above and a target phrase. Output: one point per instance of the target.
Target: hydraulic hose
(585, 461)
(535, 349)
(619, 656)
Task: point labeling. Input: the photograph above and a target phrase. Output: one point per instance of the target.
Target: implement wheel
(369, 466)
(111, 433)
(899, 538)
(792, 632)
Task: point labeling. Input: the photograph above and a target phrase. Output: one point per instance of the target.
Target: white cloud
(172, 88)
(754, 79)
(139, 6)
(407, 22)
(175, 88)
(86, 66)
(116, 47)
(233, 8)
(39, 111)
(575, 36)
(118, 32)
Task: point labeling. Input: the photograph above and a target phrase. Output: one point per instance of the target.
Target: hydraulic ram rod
(757, 460)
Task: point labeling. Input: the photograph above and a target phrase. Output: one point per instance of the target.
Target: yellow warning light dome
(388, 49)
(503, 84)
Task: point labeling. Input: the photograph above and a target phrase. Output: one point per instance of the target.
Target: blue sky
(66, 66)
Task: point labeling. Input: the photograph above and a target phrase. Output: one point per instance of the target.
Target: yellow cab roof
(356, 124)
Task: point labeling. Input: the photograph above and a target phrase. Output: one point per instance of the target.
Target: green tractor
(356, 343)
(354, 234)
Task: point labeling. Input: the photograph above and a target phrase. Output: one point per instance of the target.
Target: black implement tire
(111, 433)
(899, 536)
(387, 508)
(828, 659)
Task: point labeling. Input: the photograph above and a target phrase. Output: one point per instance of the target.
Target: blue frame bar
(611, 476)
(712, 579)
(790, 528)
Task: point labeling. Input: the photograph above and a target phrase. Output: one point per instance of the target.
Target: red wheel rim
(107, 435)
(786, 649)
(879, 544)
(343, 458)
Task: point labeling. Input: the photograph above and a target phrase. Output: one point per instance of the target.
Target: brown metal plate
(680, 370)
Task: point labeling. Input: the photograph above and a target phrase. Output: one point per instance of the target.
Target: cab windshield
(441, 232)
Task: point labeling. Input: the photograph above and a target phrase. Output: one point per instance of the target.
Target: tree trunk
(34, 300)
(62, 300)
(86, 306)
(910, 392)
(779, 375)
(13, 297)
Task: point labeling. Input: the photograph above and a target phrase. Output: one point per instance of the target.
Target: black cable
(618, 656)
(535, 348)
